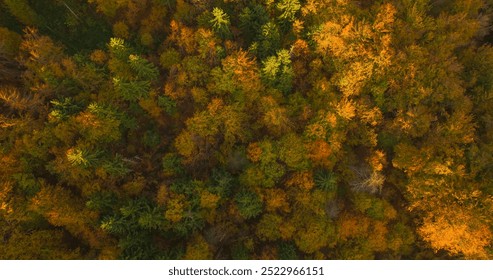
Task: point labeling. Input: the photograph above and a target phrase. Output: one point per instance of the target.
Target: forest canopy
(246, 129)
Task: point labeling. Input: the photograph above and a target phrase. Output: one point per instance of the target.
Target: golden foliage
(135, 186)
(207, 44)
(151, 106)
(302, 180)
(175, 208)
(316, 131)
(389, 211)
(184, 144)
(300, 48)
(298, 27)
(162, 195)
(329, 41)
(457, 232)
(385, 18)
(254, 152)
(320, 151)
(372, 116)
(276, 199)
(208, 200)
(346, 109)
(183, 37)
(99, 56)
(5, 204)
(276, 120)
(357, 84)
(377, 161)
(68, 213)
(241, 65)
(120, 30)
(287, 229)
(352, 226)
(198, 249)
(377, 238)
(352, 80)
(11, 97)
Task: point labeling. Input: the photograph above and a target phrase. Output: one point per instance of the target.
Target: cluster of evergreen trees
(246, 129)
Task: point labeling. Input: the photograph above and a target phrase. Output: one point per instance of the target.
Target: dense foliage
(235, 129)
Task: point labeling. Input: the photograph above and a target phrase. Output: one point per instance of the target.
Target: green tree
(288, 9)
(278, 72)
(220, 22)
(23, 12)
(249, 204)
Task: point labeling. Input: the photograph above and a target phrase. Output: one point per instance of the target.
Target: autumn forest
(246, 129)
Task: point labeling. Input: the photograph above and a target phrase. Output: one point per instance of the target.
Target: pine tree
(220, 22)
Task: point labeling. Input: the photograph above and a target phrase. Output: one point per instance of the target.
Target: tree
(69, 213)
(277, 71)
(267, 172)
(188, 129)
(288, 9)
(23, 12)
(252, 19)
(268, 41)
(198, 249)
(292, 152)
(268, 227)
(314, 234)
(460, 234)
(133, 74)
(220, 22)
(249, 204)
